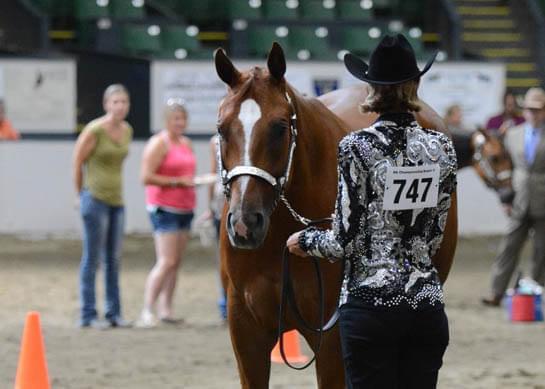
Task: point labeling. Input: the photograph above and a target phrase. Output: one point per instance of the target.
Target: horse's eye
(494, 159)
(278, 129)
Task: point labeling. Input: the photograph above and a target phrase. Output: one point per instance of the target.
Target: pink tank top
(179, 161)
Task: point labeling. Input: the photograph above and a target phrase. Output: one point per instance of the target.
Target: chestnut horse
(274, 142)
(277, 153)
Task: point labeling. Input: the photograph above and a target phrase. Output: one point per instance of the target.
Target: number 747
(413, 192)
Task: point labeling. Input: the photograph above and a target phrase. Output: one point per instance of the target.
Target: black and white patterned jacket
(387, 253)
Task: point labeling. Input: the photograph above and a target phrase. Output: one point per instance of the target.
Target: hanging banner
(196, 85)
(40, 95)
(199, 86)
(477, 87)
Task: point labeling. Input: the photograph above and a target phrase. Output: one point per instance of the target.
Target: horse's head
(257, 134)
(492, 163)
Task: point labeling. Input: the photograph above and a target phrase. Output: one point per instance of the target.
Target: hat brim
(358, 68)
(534, 105)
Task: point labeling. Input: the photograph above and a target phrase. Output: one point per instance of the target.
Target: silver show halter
(278, 183)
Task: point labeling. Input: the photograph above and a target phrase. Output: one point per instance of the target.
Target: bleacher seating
(141, 39)
(89, 9)
(244, 9)
(181, 42)
(541, 3)
(127, 9)
(261, 37)
(317, 10)
(281, 9)
(360, 40)
(307, 29)
(354, 10)
(310, 43)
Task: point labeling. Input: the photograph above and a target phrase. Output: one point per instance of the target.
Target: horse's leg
(252, 345)
(329, 363)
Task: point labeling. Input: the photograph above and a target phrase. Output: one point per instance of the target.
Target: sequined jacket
(387, 253)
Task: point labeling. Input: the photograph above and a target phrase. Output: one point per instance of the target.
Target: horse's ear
(225, 68)
(276, 62)
(483, 131)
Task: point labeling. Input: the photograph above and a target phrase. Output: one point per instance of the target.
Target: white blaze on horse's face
(249, 114)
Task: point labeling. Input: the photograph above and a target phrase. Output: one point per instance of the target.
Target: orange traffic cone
(291, 349)
(32, 368)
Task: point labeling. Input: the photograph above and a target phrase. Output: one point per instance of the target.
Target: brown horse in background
(260, 119)
(486, 153)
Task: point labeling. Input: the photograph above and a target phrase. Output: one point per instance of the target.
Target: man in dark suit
(526, 145)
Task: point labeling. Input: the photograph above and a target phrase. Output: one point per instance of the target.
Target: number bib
(411, 187)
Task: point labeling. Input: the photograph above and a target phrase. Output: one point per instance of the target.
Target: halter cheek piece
(278, 183)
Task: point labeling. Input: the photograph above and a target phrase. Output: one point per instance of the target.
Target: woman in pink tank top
(168, 170)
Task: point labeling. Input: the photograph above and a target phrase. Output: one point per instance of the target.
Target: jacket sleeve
(332, 243)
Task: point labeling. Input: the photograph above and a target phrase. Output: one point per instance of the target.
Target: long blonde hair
(392, 98)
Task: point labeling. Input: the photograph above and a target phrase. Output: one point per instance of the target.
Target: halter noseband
(278, 183)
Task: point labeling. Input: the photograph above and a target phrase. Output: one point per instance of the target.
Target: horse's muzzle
(246, 230)
(506, 195)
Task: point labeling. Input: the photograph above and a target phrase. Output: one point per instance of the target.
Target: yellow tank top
(104, 167)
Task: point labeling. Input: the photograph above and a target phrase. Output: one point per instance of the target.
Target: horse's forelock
(254, 84)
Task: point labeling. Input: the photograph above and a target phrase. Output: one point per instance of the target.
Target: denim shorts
(165, 221)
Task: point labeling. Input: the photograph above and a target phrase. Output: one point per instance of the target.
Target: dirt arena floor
(486, 351)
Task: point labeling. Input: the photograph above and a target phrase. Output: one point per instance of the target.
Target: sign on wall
(196, 84)
(199, 86)
(40, 95)
(477, 87)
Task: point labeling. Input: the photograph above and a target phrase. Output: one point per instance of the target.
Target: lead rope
(288, 297)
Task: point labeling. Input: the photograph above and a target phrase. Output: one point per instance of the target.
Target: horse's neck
(464, 150)
(315, 161)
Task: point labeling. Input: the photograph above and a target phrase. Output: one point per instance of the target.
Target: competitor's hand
(293, 245)
(186, 181)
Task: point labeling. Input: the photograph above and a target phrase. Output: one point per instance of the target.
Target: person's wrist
(301, 241)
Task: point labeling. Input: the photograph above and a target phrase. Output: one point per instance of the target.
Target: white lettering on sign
(411, 187)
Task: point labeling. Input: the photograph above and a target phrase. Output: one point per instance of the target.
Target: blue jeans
(222, 300)
(103, 227)
(165, 221)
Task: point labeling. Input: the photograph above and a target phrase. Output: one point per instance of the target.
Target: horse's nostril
(230, 220)
(254, 220)
(259, 219)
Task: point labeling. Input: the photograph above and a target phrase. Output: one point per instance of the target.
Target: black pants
(392, 348)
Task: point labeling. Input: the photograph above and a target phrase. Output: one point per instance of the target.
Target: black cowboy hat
(392, 62)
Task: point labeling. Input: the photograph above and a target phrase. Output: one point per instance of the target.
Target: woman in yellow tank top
(98, 161)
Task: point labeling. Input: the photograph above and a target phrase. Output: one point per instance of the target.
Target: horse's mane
(462, 146)
(312, 106)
